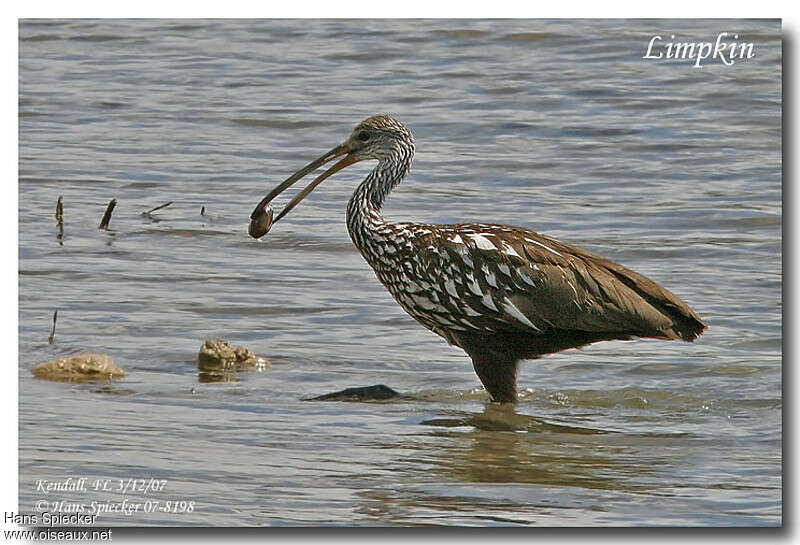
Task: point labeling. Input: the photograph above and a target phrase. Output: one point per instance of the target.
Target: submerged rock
(112, 390)
(78, 368)
(220, 356)
(378, 392)
(217, 376)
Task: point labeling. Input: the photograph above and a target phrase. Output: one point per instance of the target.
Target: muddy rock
(79, 368)
(379, 392)
(220, 356)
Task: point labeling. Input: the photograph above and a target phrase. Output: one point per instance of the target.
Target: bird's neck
(364, 208)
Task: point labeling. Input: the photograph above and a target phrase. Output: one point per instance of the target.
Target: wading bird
(501, 293)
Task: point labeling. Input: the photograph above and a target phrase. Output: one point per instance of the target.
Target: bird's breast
(444, 287)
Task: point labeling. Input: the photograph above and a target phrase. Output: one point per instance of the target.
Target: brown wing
(515, 279)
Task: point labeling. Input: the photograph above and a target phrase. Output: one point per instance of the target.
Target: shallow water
(559, 126)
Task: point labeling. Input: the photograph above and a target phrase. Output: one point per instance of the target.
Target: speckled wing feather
(498, 278)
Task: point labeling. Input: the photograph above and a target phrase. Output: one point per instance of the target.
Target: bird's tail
(686, 324)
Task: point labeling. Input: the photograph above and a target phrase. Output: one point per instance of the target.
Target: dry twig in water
(166, 204)
(107, 215)
(52, 337)
(60, 217)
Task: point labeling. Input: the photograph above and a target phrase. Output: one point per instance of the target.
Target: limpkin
(501, 293)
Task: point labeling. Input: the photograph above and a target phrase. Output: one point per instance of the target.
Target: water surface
(559, 126)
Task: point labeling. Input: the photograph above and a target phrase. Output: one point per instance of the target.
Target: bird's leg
(498, 373)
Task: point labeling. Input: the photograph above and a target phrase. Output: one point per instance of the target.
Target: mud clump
(79, 368)
(219, 356)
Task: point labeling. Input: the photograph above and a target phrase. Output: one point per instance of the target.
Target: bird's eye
(363, 136)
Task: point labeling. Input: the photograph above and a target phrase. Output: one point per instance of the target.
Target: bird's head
(379, 137)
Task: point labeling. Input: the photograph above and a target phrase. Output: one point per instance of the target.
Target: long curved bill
(338, 151)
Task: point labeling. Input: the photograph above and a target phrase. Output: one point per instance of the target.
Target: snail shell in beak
(262, 222)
